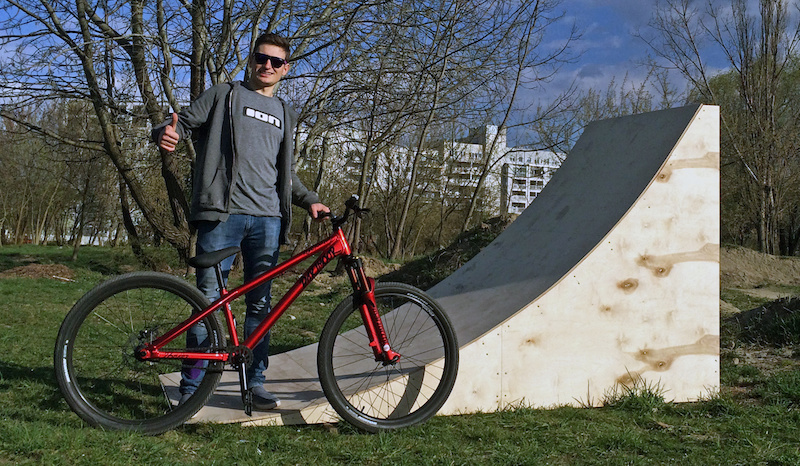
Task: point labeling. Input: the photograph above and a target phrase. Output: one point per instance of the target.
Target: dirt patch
(764, 293)
(54, 271)
(767, 359)
(767, 337)
(726, 309)
(745, 268)
(431, 269)
(376, 267)
(758, 275)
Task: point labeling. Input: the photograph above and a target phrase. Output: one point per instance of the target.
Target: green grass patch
(741, 299)
(782, 390)
(91, 260)
(640, 397)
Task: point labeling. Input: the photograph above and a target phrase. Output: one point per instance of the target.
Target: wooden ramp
(611, 276)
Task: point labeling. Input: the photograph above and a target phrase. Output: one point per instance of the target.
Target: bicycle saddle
(210, 259)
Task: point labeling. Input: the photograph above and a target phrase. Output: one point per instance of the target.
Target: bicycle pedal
(247, 399)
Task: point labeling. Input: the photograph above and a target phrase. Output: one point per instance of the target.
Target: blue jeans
(259, 238)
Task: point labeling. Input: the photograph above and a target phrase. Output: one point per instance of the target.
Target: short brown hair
(272, 39)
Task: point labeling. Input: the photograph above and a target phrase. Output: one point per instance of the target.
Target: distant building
(450, 169)
(463, 162)
(523, 175)
(513, 181)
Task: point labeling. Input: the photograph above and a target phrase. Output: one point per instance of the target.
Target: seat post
(220, 282)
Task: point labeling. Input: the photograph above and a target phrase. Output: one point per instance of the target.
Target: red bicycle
(387, 355)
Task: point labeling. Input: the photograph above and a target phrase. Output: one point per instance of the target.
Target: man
(243, 187)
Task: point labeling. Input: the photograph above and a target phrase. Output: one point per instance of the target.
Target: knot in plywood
(629, 285)
(662, 265)
(659, 265)
(660, 359)
(709, 160)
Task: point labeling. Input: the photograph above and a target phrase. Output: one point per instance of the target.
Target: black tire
(95, 366)
(374, 397)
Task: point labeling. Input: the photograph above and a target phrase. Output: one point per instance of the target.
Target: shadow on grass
(36, 386)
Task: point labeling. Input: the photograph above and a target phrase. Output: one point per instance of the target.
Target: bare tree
(526, 63)
(759, 119)
(53, 178)
(389, 73)
(411, 78)
(128, 58)
(440, 56)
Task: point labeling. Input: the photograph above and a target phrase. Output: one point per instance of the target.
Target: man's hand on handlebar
(319, 211)
(350, 207)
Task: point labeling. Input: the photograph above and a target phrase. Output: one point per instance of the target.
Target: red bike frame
(335, 246)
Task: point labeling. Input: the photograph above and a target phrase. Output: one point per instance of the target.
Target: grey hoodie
(208, 120)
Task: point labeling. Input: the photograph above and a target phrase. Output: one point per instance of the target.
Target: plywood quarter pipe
(609, 277)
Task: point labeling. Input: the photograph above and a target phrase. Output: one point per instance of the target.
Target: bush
(776, 323)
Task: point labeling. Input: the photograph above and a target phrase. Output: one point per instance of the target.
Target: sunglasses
(276, 62)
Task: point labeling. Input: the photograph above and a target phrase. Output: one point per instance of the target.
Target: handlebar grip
(352, 203)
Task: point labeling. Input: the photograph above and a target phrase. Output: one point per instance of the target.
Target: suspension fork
(364, 296)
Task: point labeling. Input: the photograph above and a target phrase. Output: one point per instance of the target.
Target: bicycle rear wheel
(375, 397)
(97, 370)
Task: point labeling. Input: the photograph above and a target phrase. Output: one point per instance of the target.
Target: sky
(606, 51)
(608, 48)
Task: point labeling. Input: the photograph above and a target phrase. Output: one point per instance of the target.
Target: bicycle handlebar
(350, 205)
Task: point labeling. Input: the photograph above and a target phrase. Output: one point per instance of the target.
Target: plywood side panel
(478, 385)
(643, 305)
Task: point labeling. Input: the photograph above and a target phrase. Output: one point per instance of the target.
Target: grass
(754, 420)
(741, 300)
(744, 301)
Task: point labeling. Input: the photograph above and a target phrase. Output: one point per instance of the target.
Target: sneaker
(184, 398)
(264, 400)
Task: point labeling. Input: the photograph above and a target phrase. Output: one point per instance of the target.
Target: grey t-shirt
(258, 132)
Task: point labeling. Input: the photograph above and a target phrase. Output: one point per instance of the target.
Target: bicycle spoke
(97, 367)
(375, 396)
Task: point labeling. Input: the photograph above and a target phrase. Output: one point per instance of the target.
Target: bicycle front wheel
(95, 362)
(374, 396)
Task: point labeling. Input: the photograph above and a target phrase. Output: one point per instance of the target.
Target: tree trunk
(76, 245)
(197, 79)
(130, 227)
(175, 229)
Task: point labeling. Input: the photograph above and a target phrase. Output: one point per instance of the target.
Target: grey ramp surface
(609, 168)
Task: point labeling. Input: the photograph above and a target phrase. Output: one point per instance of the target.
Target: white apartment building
(524, 174)
(516, 176)
(463, 161)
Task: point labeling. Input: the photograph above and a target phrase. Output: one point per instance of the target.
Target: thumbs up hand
(169, 136)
